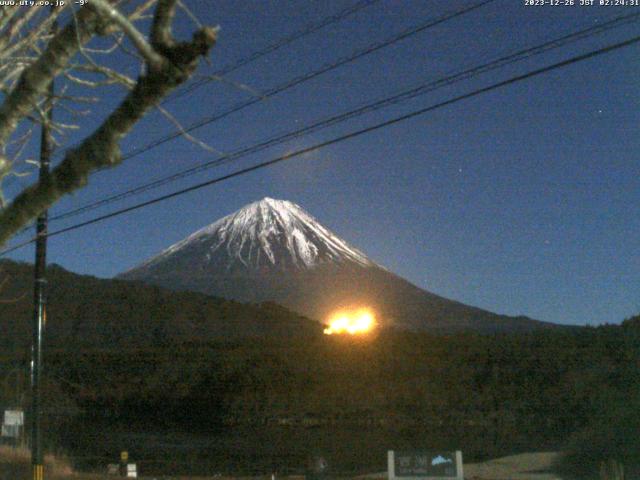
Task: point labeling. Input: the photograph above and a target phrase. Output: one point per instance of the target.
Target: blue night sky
(524, 200)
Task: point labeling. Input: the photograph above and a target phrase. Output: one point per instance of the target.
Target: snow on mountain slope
(268, 234)
(272, 250)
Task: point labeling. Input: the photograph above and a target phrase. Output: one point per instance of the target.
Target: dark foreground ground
(528, 466)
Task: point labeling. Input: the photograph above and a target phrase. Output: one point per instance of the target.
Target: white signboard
(132, 470)
(13, 417)
(11, 431)
(425, 465)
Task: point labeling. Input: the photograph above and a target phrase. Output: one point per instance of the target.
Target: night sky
(524, 200)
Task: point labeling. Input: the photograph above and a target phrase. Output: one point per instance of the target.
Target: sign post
(12, 424)
(124, 460)
(425, 465)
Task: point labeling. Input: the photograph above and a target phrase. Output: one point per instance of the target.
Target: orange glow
(351, 322)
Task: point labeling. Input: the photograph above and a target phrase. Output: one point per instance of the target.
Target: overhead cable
(336, 140)
(373, 106)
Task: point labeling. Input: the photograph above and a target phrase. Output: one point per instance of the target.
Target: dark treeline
(190, 383)
(271, 402)
(91, 312)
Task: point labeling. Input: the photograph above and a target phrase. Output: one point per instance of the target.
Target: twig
(186, 134)
(152, 57)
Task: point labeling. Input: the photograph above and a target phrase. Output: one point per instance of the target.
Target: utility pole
(40, 310)
(39, 294)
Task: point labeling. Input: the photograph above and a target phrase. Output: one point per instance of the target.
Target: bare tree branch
(101, 149)
(9, 49)
(190, 14)
(141, 11)
(146, 50)
(36, 78)
(161, 37)
(186, 134)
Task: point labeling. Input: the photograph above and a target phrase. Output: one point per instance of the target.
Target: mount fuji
(273, 250)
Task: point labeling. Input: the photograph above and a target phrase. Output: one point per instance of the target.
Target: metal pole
(39, 294)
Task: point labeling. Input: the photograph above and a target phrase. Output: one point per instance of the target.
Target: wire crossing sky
(431, 22)
(402, 96)
(349, 136)
(522, 200)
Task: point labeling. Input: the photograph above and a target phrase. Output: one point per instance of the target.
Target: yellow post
(38, 472)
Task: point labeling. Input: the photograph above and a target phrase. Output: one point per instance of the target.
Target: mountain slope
(266, 236)
(90, 311)
(274, 250)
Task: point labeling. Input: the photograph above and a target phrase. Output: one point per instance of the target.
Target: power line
(357, 133)
(332, 120)
(309, 29)
(310, 75)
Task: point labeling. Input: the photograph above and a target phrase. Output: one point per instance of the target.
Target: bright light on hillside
(351, 322)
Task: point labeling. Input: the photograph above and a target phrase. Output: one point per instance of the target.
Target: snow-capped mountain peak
(268, 234)
(273, 250)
